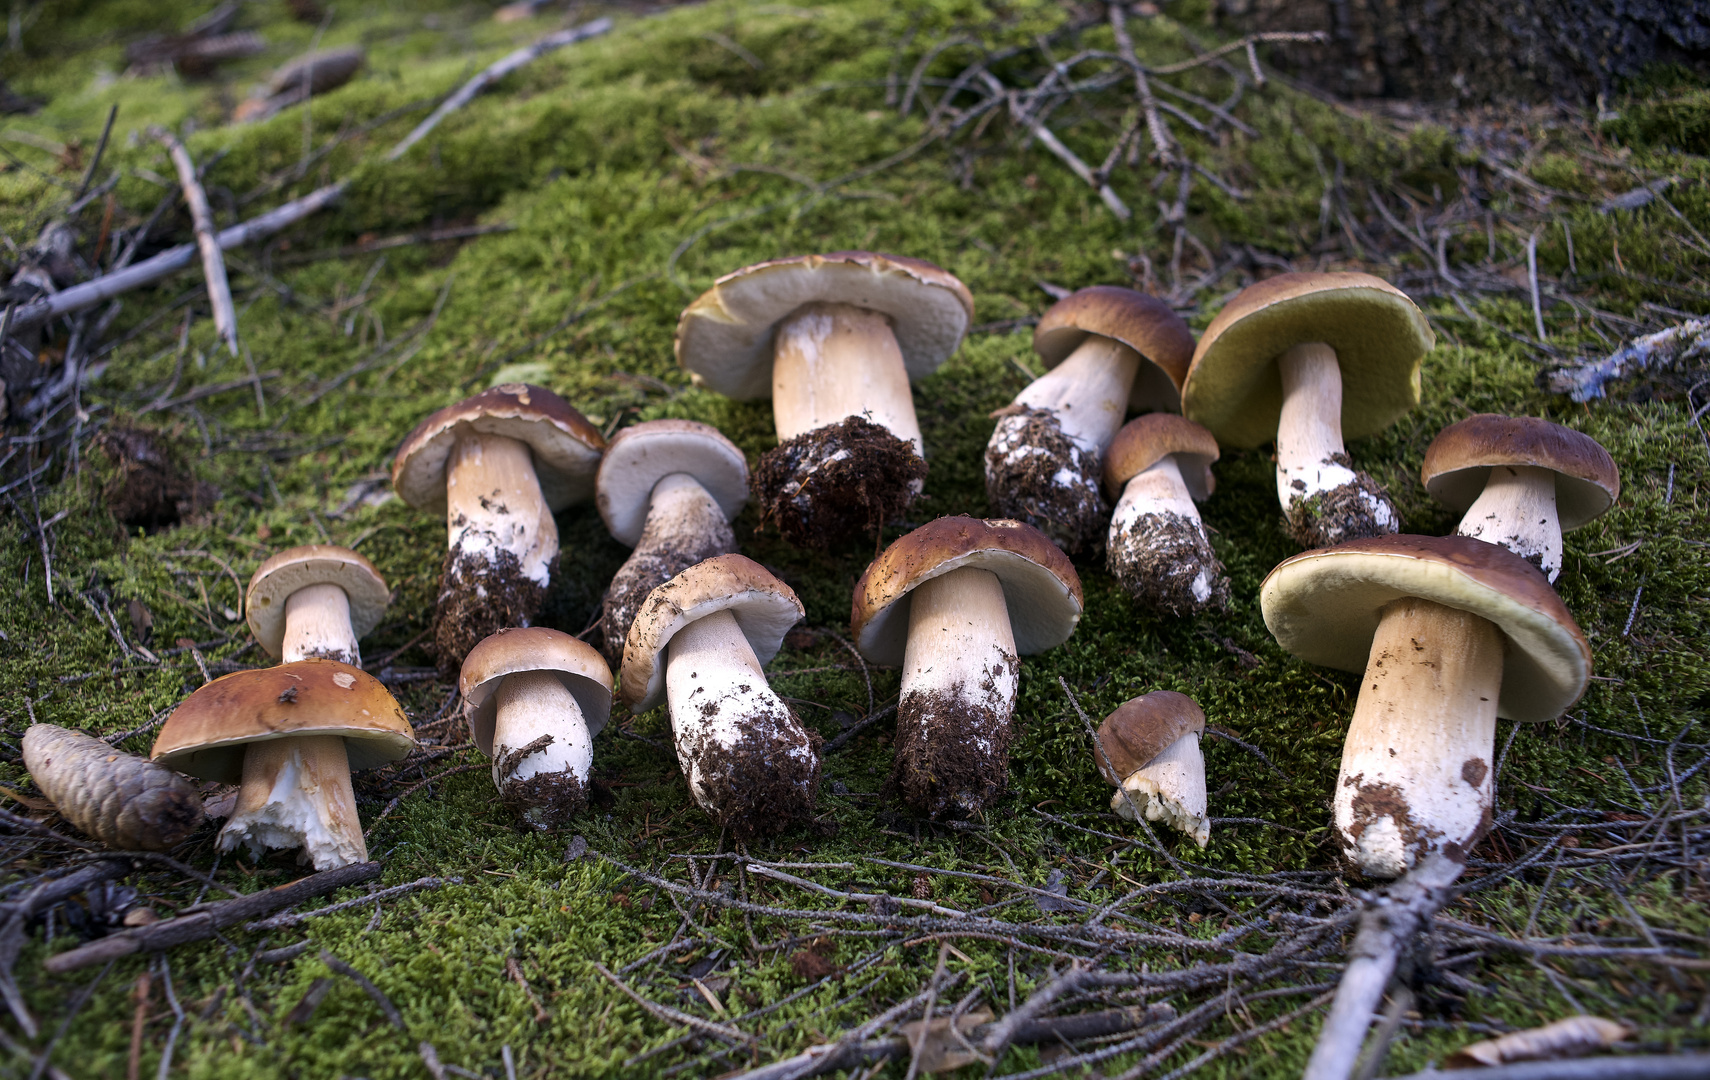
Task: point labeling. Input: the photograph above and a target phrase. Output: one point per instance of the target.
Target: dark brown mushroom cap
(578, 665)
(565, 445)
(1324, 606)
(643, 454)
(1459, 460)
(1146, 440)
(313, 564)
(1143, 323)
(1142, 728)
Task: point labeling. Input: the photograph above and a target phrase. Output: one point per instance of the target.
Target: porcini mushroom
(535, 698)
(669, 489)
(1520, 482)
(835, 340)
(1158, 550)
(1451, 633)
(1150, 754)
(700, 642)
(1310, 359)
(316, 600)
(955, 603)
(498, 465)
(1107, 350)
(290, 735)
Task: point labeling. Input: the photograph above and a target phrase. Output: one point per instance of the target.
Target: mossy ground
(631, 170)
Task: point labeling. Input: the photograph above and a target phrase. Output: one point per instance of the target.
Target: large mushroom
(1148, 749)
(669, 489)
(315, 600)
(956, 603)
(1108, 350)
(701, 642)
(1309, 359)
(1521, 482)
(498, 465)
(290, 735)
(835, 340)
(1451, 633)
(1159, 465)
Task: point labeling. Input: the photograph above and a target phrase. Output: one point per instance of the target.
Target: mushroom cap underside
(1141, 728)
(1143, 323)
(301, 567)
(578, 665)
(1146, 440)
(1459, 460)
(643, 454)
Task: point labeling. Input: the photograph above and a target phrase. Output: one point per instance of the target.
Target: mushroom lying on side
(1521, 482)
(1108, 350)
(316, 600)
(120, 799)
(955, 603)
(1158, 550)
(1153, 743)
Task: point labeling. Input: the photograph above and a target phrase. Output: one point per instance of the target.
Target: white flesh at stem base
(1088, 391)
(317, 623)
(296, 793)
(1309, 431)
(1170, 788)
(493, 503)
(834, 361)
(528, 705)
(1517, 509)
(961, 646)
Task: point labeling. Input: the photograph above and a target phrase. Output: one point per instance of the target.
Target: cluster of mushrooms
(1450, 632)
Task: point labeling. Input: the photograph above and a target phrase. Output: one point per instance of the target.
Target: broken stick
(213, 263)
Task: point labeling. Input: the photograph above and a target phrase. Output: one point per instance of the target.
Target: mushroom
(700, 642)
(290, 735)
(315, 600)
(535, 698)
(1108, 350)
(669, 489)
(498, 465)
(835, 340)
(1158, 550)
(1308, 359)
(1520, 482)
(954, 603)
(1451, 633)
(1152, 742)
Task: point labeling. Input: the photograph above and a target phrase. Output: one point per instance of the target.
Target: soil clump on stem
(149, 489)
(757, 790)
(1165, 562)
(652, 564)
(828, 483)
(1340, 514)
(478, 597)
(952, 751)
(1037, 474)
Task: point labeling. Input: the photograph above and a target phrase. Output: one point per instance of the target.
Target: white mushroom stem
(1088, 391)
(1517, 510)
(1416, 767)
(317, 623)
(1158, 489)
(527, 706)
(680, 512)
(296, 794)
(1170, 788)
(961, 645)
(493, 503)
(834, 361)
(1309, 431)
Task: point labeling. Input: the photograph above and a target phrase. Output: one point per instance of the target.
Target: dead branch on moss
(202, 219)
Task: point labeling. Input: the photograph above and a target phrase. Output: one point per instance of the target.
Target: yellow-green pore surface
(629, 172)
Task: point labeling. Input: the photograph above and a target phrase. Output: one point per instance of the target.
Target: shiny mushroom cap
(1142, 728)
(1143, 323)
(1459, 460)
(643, 454)
(313, 564)
(578, 665)
(1146, 440)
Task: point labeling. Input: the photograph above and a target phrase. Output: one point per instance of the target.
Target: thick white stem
(317, 623)
(1517, 509)
(1088, 391)
(1309, 431)
(1158, 489)
(833, 361)
(960, 641)
(680, 513)
(296, 793)
(493, 504)
(527, 706)
(1170, 788)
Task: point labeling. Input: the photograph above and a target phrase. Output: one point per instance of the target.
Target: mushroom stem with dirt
(1158, 550)
(1148, 749)
(316, 600)
(122, 800)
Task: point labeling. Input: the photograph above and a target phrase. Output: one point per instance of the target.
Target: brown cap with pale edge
(1146, 440)
(1143, 323)
(643, 454)
(1142, 728)
(1040, 585)
(205, 736)
(724, 339)
(566, 446)
(1323, 606)
(765, 608)
(1459, 460)
(1380, 337)
(578, 665)
(313, 564)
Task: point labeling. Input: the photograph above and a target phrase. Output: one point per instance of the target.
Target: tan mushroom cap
(578, 665)
(641, 455)
(1459, 460)
(724, 339)
(1143, 323)
(1040, 585)
(1142, 728)
(1323, 606)
(313, 564)
(1380, 336)
(566, 446)
(205, 735)
(765, 609)
(1146, 440)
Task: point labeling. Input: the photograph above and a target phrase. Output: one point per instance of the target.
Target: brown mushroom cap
(205, 736)
(1142, 728)
(313, 564)
(724, 339)
(1459, 460)
(1143, 323)
(1380, 336)
(643, 454)
(566, 446)
(1324, 606)
(1146, 440)
(578, 665)
(1040, 585)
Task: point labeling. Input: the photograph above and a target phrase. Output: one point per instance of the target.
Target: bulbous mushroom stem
(317, 624)
(542, 752)
(1416, 767)
(684, 526)
(1170, 788)
(832, 361)
(1158, 549)
(1088, 391)
(1323, 498)
(1517, 509)
(296, 794)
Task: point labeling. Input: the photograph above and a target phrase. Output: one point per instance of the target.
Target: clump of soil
(1165, 562)
(656, 560)
(824, 485)
(546, 800)
(480, 595)
(149, 489)
(1340, 514)
(759, 786)
(1037, 474)
(952, 753)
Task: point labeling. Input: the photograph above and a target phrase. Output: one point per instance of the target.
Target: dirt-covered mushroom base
(653, 564)
(1350, 512)
(478, 596)
(952, 752)
(546, 800)
(844, 478)
(1037, 474)
(764, 783)
(1165, 562)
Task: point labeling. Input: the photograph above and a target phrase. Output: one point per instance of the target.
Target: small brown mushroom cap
(578, 665)
(1142, 728)
(1459, 460)
(1146, 440)
(313, 564)
(1143, 323)
(643, 454)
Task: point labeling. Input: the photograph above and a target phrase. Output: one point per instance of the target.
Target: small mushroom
(120, 799)
(669, 489)
(1451, 633)
(316, 600)
(1108, 350)
(1158, 550)
(535, 698)
(498, 465)
(835, 340)
(290, 735)
(700, 642)
(1310, 359)
(1153, 742)
(955, 603)
(1521, 482)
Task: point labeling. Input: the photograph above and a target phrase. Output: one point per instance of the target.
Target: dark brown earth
(149, 488)
(816, 501)
(1337, 515)
(1036, 474)
(479, 596)
(656, 560)
(757, 788)
(546, 800)
(941, 770)
(1157, 559)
